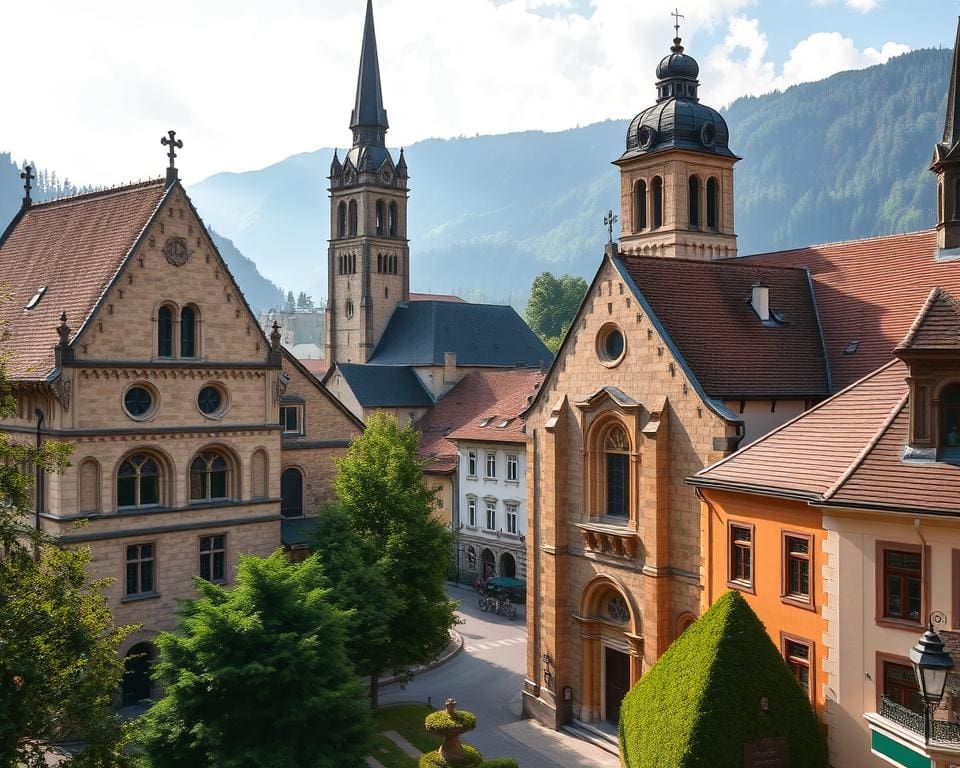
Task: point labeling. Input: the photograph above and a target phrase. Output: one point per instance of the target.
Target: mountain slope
(839, 159)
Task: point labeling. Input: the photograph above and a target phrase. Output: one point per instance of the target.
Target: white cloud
(744, 67)
(862, 6)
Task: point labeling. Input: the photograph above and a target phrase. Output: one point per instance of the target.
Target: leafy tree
(291, 302)
(258, 675)
(304, 301)
(379, 487)
(553, 304)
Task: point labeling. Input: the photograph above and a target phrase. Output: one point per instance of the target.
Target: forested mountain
(259, 292)
(843, 158)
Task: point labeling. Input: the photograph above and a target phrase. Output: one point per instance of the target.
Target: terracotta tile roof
(498, 395)
(819, 446)
(937, 327)
(705, 309)
(869, 291)
(317, 367)
(73, 247)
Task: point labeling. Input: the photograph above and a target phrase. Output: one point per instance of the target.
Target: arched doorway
(136, 673)
(611, 648)
(488, 563)
(291, 492)
(508, 565)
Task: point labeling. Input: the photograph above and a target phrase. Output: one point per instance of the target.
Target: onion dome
(678, 120)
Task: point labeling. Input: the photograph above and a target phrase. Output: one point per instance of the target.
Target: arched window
(508, 565)
(694, 201)
(353, 218)
(89, 488)
(138, 481)
(381, 224)
(136, 672)
(341, 219)
(165, 332)
(291, 492)
(188, 332)
(713, 210)
(259, 474)
(353, 263)
(940, 217)
(489, 562)
(393, 223)
(209, 477)
(656, 189)
(640, 206)
(617, 465)
(950, 423)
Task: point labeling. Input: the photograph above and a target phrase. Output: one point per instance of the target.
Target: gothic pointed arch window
(189, 331)
(656, 191)
(210, 477)
(693, 204)
(640, 206)
(139, 481)
(165, 331)
(616, 451)
(381, 223)
(713, 203)
(393, 223)
(379, 263)
(342, 220)
(353, 218)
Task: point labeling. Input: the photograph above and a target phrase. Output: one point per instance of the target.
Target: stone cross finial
(450, 705)
(63, 331)
(27, 176)
(275, 337)
(174, 143)
(609, 220)
(676, 20)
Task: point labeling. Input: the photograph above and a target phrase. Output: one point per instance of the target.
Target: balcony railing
(943, 731)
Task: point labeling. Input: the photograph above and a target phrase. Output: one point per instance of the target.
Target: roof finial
(174, 143)
(677, 48)
(275, 337)
(63, 331)
(27, 176)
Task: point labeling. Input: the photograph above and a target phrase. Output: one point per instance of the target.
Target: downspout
(923, 567)
(708, 555)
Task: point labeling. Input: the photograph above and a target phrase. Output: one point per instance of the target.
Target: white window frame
(491, 516)
(471, 511)
(491, 464)
(512, 510)
(471, 463)
(298, 409)
(513, 468)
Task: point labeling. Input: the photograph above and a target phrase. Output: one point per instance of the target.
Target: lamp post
(932, 663)
(38, 506)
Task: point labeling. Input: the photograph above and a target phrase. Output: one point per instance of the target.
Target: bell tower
(369, 257)
(676, 175)
(946, 163)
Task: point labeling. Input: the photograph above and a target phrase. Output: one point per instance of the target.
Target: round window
(210, 401)
(617, 608)
(610, 345)
(138, 401)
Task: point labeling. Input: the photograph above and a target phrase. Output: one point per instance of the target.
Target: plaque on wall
(773, 752)
(175, 249)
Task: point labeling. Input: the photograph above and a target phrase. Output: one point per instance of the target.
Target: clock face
(708, 134)
(348, 176)
(175, 249)
(386, 175)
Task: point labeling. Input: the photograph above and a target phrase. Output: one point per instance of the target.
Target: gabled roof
(74, 247)
(385, 386)
(490, 335)
(704, 307)
(868, 293)
(937, 327)
(313, 379)
(486, 396)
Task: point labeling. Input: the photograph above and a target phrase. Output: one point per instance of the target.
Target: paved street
(486, 678)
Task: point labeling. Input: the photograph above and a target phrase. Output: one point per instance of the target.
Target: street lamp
(932, 663)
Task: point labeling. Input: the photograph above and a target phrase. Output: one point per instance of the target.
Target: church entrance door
(616, 682)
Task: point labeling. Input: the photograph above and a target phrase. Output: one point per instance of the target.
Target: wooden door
(616, 682)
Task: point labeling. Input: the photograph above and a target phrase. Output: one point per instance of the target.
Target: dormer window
(485, 421)
(950, 423)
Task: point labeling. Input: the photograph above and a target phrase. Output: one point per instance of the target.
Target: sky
(89, 88)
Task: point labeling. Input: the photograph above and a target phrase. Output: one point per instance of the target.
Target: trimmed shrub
(500, 762)
(721, 684)
(441, 722)
(471, 759)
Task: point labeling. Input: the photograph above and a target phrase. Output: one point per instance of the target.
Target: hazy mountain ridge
(839, 159)
(260, 293)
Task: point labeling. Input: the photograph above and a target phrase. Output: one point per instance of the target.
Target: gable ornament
(176, 251)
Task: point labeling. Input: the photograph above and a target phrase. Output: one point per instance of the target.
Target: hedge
(701, 702)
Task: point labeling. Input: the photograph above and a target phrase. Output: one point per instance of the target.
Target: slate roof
(704, 307)
(498, 395)
(385, 386)
(868, 291)
(847, 451)
(74, 247)
(420, 332)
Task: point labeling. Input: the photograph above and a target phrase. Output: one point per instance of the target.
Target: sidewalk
(558, 747)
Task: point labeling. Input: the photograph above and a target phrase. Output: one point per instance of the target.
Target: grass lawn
(407, 720)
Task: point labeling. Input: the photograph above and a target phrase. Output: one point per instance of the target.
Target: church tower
(369, 258)
(676, 175)
(946, 162)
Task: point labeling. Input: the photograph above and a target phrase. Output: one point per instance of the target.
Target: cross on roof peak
(676, 20)
(609, 220)
(27, 175)
(174, 143)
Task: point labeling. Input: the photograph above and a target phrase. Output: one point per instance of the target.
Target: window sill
(892, 623)
(139, 596)
(489, 479)
(511, 482)
(293, 433)
(742, 586)
(798, 602)
(471, 477)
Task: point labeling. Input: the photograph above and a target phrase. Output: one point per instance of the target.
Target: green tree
(379, 487)
(258, 675)
(304, 301)
(291, 302)
(552, 306)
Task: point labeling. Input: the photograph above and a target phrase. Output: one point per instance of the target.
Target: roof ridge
(780, 251)
(733, 261)
(799, 416)
(921, 316)
(867, 449)
(82, 197)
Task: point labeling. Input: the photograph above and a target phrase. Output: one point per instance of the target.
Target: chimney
(760, 301)
(449, 367)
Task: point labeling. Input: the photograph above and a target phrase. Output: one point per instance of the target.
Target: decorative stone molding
(610, 539)
(61, 390)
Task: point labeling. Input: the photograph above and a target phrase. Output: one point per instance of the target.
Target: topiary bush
(722, 684)
(450, 723)
(471, 759)
(500, 762)
(441, 722)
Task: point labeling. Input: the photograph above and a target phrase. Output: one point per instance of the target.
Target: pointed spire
(335, 166)
(368, 112)
(951, 126)
(402, 165)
